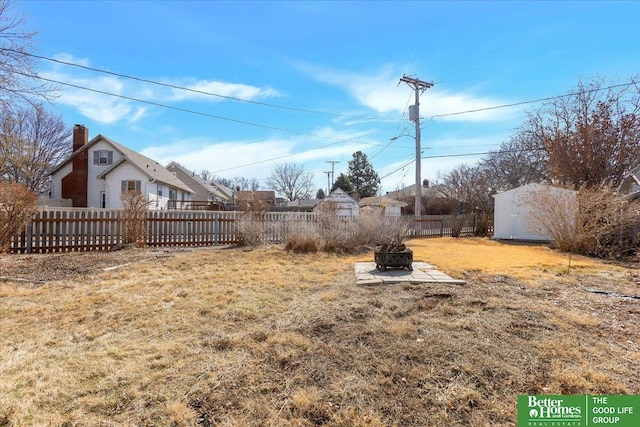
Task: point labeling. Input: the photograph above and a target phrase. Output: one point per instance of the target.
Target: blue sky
(334, 66)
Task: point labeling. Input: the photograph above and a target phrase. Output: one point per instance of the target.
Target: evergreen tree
(365, 180)
(344, 183)
(320, 194)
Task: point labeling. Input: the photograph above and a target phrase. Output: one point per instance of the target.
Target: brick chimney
(74, 185)
(80, 136)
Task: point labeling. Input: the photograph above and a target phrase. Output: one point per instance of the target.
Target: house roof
(380, 201)
(228, 192)
(410, 191)
(339, 195)
(530, 186)
(198, 179)
(146, 165)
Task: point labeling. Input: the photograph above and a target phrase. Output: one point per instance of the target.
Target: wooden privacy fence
(76, 229)
(443, 226)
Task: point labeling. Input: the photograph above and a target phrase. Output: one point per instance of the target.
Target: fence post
(29, 236)
(216, 229)
(283, 227)
(441, 226)
(475, 222)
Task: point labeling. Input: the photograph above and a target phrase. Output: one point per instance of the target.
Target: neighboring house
(511, 211)
(99, 171)
(408, 191)
(206, 196)
(339, 200)
(630, 185)
(387, 205)
(434, 199)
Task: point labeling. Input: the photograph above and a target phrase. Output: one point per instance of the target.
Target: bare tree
(32, 141)
(18, 79)
(241, 183)
(291, 181)
(206, 175)
(466, 189)
(519, 161)
(592, 136)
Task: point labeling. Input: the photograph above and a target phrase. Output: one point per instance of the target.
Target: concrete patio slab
(368, 274)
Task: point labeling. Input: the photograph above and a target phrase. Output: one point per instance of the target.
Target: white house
(344, 204)
(387, 205)
(99, 171)
(511, 212)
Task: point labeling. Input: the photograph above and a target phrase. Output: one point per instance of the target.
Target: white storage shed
(511, 211)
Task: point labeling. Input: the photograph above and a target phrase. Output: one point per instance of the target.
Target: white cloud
(256, 159)
(97, 106)
(82, 88)
(228, 159)
(234, 90)
(381, 92)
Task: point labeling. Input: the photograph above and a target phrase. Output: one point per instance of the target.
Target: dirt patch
(43, 268)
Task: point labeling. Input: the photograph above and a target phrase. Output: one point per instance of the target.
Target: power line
(200, 113)
(224, 118)
(295, 154)
(202, 92)
(481, 154)
(404, 113)
(157, 104)
(533, 101)
(407, 163)
(477, 110)
(404, 165)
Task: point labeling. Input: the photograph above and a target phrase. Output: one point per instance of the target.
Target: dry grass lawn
(228, 337)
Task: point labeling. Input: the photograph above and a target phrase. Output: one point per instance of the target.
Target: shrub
(341, 237)
(134, 217)
(302, 237)
(595, 222)
(17, 204)
(250, 229)
(369, 229)
(605, 223)
(376, 229)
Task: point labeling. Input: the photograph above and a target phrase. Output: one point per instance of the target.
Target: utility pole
(418, 86)
(329, 173)
(333, 162)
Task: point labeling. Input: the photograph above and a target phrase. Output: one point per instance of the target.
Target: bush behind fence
(64, 230)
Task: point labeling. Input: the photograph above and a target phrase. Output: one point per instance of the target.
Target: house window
(102, 157)
(131, 186)
(172, 194)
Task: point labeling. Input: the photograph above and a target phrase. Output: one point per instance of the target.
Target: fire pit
(393, 259)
